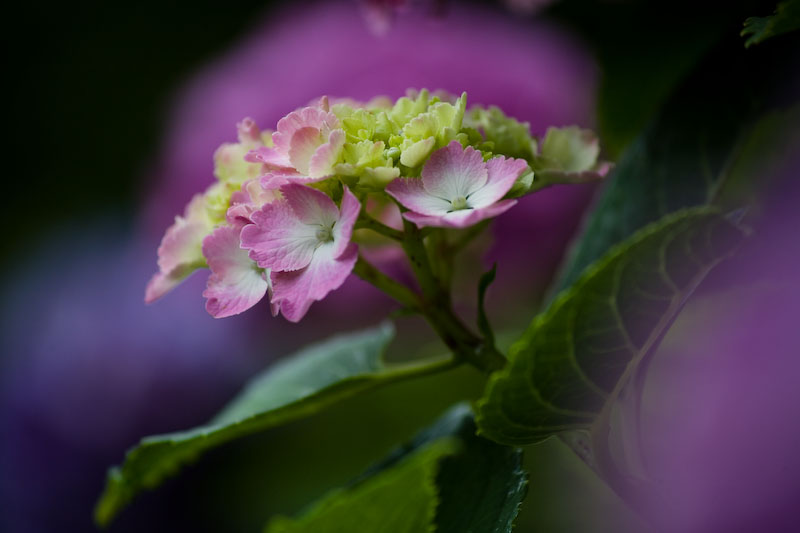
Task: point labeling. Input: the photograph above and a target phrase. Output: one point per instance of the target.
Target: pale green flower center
(324, 234)
(459, 203)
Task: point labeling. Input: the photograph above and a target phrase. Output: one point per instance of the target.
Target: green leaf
(400, 499)
(766, 152)
(295, 387)
(576, 356)
(683, 158)
(785, 19)
(479, 486)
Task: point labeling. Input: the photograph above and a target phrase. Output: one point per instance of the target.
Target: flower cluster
(280, 219)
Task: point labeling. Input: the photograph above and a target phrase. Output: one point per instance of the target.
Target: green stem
(396, 290)
(468, 235)
(441, 258)
(438, 310)
(418, 369)
(367, 222)
(538, 185)
(420, 263)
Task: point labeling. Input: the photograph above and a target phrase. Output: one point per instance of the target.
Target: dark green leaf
(400, 499)
(480, 487)
(576, 356)
(785, 19)
(766, 152)
(683, 157)
(295, 387)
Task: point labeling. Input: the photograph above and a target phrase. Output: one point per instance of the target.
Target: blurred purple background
(721, 433)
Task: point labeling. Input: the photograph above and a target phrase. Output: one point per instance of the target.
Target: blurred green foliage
(785, 19)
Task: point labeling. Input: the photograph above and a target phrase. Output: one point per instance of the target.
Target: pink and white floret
(457, 188)
(306, 146)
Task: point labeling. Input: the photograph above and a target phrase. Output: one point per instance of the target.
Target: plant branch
(468, 235)
(444, 252)
(366, 271)
(416, 369)
(438, 310)
(367, 222)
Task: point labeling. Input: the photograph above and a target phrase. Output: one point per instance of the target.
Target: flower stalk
(435, 302)
(437, 308)
(399, 292)
(367, 222)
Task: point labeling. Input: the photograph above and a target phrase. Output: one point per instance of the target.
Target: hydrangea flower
(236, 283)
(180, 252)
(569, 155)
(304, 239)
(503, 134)
(306, 145)
(230, 165)
(247, 200)
(263, 229)
(228, 202)
(564, 155)
(457, 188)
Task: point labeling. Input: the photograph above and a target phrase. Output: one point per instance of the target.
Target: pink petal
(258, 194)
(310, 206)
(274, 307)
(304, 143)
(248, 131)
(308, 117)
(327, 155)
(296, 291)
(161, 283)
(247, 200)
(453, 172)
(461, 218)
(275, 178)
(323, 103)
(235, 284)
(412, 194)
(277, 239)
(180, 252)
(503, 173)
(348, 214)
(181, 245)
(240, 215)
(269, 156)
(242, 196)
(603, 168)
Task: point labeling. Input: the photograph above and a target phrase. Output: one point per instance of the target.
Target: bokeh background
(115, 111)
